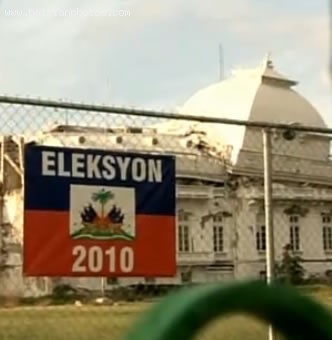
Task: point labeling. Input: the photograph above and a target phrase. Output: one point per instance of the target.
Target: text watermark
(66, 13)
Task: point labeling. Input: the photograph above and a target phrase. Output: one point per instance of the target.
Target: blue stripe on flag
(52, 191)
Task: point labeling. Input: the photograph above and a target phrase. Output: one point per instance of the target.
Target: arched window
(183, 232)
(260, 238)
(294, 233)
(327, 232)
(218, 234)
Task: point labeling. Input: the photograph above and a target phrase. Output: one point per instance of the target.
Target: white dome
(260, 94)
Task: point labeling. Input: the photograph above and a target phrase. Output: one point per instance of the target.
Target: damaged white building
(220, 193)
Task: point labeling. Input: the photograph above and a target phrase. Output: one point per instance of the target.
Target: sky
(160, 54)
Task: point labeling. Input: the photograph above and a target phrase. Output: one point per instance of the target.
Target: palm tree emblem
(102, 197)
(103, 225)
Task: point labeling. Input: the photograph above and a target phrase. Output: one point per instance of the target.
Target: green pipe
(182, 315)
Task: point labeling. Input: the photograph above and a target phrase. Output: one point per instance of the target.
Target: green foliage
(63, 294)
(290, 270)
(102, 196)
(63, 290)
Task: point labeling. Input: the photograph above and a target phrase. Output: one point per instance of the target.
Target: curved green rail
(183, 314)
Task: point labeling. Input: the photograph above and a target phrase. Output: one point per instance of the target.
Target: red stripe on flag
(48, 247)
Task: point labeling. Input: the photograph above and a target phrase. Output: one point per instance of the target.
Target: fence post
(268, 212)
(102, 286)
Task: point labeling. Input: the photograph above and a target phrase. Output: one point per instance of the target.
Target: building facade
(221, 231)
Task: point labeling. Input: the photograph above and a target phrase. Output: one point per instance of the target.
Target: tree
(102, 197)
(290, 269)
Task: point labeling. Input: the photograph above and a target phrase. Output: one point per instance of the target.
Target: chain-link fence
(230, 226)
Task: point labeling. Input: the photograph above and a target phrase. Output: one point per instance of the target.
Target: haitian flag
(94, 212)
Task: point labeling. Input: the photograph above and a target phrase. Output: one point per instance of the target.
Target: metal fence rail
(253, 200)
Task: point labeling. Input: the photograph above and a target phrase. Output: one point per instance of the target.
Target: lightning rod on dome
(268, 60)
(221, 62)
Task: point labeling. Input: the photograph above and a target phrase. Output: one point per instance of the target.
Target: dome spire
(268, 72)
(268, 64)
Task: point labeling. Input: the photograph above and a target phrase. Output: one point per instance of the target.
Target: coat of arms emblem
(107, 213)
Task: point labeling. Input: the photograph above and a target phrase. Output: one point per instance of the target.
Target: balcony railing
(220, 256)
(203, 258)
(290, 193)
(194, 191)
(190, 258)
(197, 191)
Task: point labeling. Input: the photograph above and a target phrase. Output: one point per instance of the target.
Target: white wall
(12, 281)
(311, 239)
(202, 235)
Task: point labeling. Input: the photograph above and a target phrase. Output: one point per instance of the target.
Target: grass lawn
(110, 322)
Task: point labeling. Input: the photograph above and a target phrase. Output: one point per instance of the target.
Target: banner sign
(98, 213)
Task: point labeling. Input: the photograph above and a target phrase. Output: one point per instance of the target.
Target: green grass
(112, 322)
(67, 323)
(74, 323)
(88, 232)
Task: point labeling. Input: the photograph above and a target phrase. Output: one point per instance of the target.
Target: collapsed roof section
(198, 155)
